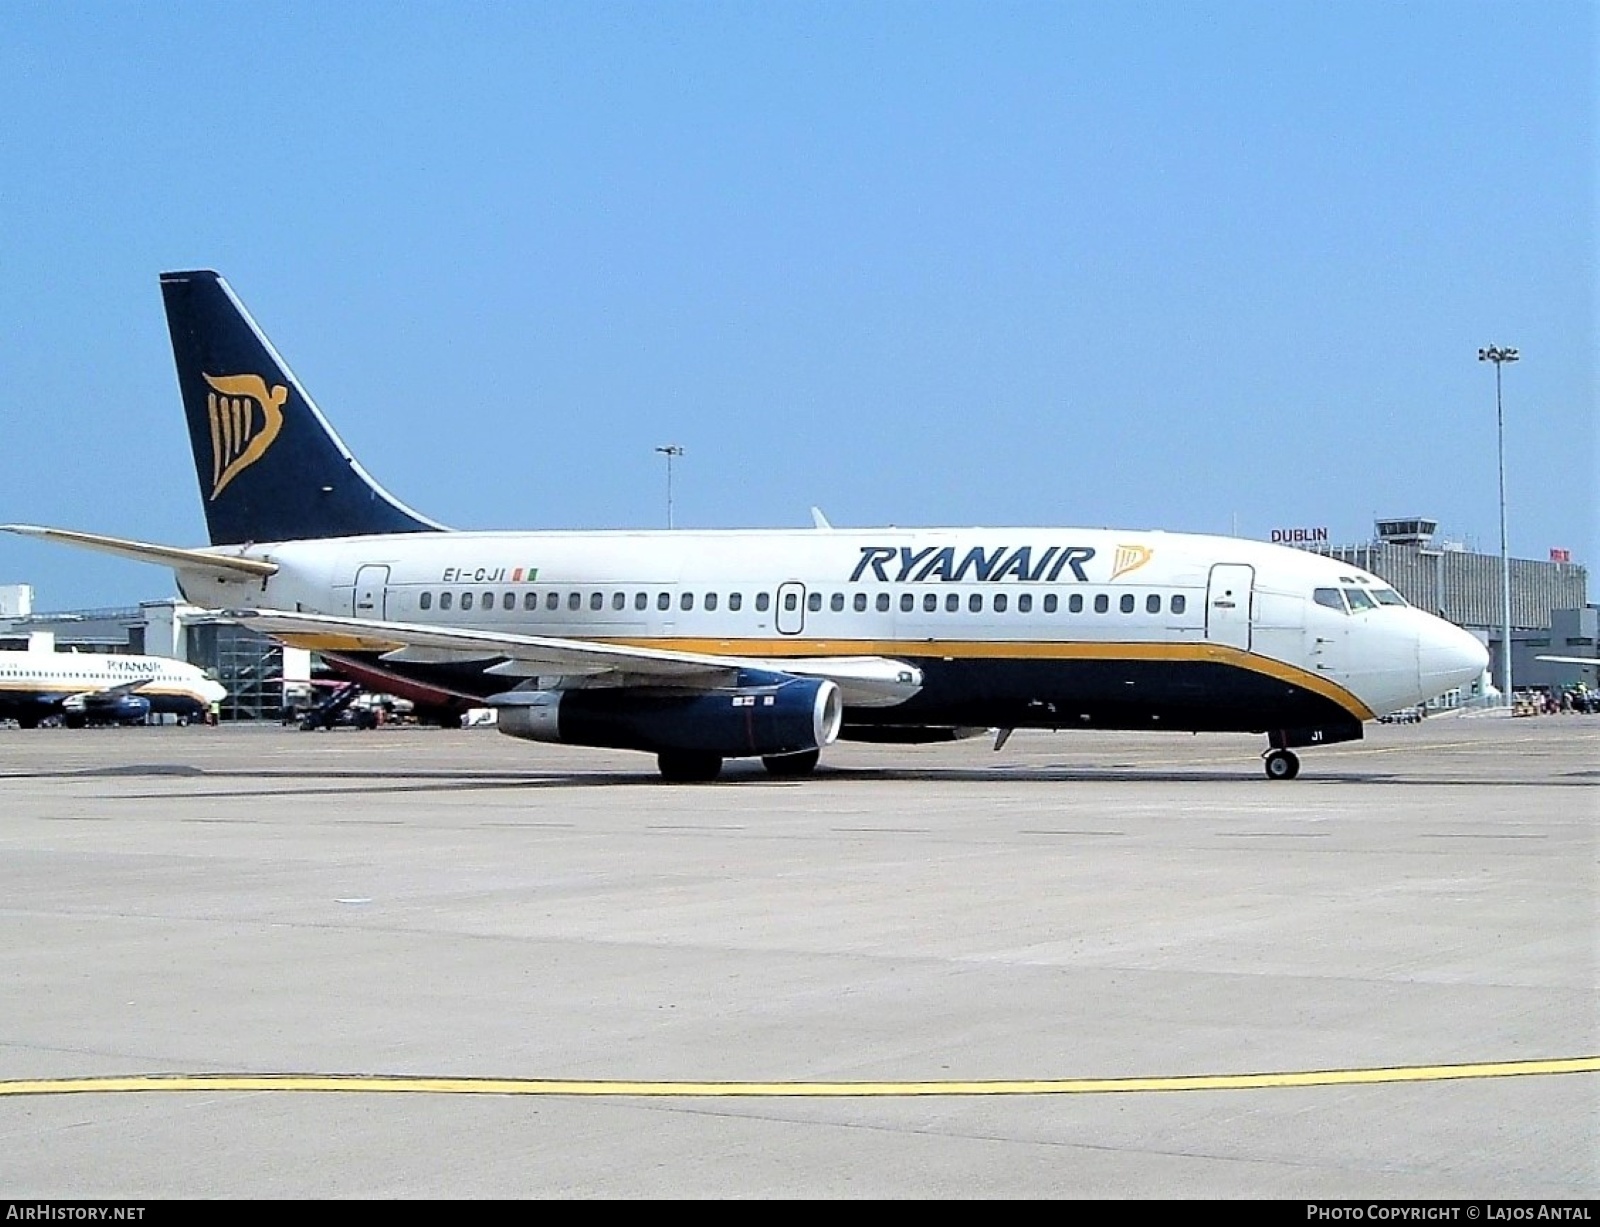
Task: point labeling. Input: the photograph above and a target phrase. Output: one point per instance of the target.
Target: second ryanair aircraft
(703, 646)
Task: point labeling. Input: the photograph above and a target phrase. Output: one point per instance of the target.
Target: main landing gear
(695, 767)
(788, 766)
(688, 766)
(1281, 764)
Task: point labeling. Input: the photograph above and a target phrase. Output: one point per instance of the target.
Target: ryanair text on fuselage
(1000, 562)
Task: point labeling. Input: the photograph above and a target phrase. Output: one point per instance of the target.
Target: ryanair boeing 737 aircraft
(84, 688)
(703, 646)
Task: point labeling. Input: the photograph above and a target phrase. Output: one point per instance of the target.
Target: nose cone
(1448, 657)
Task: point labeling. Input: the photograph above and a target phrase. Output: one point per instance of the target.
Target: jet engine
(764, 715)
(82, 711)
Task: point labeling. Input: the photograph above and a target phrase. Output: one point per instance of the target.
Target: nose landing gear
(1281, 764)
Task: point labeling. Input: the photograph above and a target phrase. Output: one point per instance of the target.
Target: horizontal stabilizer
(140, 551)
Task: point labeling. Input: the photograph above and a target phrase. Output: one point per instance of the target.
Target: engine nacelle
(78, 712)
(766, 714)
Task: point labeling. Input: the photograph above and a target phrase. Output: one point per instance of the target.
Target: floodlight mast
(670, 451)
(1500, 355)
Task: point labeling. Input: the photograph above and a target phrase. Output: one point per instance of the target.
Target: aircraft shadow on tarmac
(387, 781)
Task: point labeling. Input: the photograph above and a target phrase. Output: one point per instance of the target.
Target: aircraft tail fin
(270, 466)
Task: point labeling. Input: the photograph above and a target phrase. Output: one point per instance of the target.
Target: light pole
(1500, 355)
(670, 451)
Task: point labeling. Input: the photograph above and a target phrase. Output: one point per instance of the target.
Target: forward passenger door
(1228, 604)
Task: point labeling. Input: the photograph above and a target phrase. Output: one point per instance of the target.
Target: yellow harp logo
(1129, 558)
(245, 418)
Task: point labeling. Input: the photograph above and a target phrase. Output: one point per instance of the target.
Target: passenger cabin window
(1179, 603)
(814, 602)
(975, 603)
(619, 600)
(711, 602)
(1000, 602)
(883, 602)
(466, 600)
(1025, 603)
(1329, 597)
(860, 602)
(686, 601)
(907, 602)
(836, 602)
(763, 601)
(641, 600)
(488, 600)
(1051, 604)
(663, 600)
(791, 602)
(530, 601)
(1152, 604)
(445, 599)
(930, 603)
(952, 603)
(1127, 602)
(1075, 603)
(425, 601)
(735, 601)
(508, 601)
(575, 601)
(1102, 603)
(552, 601)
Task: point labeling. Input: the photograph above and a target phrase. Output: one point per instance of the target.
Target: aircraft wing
(92, 694)
(864, 681)
(122, 688)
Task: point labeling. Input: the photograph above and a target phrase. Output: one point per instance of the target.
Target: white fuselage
(976, 595)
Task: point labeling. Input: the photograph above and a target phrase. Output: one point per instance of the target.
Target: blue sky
(1187, 266)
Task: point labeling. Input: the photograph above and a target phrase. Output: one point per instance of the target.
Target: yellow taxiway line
(619, 1088)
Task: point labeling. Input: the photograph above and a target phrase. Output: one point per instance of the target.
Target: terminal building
(1550, 615)
(1550, 611)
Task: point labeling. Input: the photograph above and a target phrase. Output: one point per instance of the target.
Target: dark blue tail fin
(270, 466)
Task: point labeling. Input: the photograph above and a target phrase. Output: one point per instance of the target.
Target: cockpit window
(1329, 597)
(1387, 596)
(1359, 599)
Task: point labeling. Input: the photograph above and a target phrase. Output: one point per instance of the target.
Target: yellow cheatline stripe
(617, 1088)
